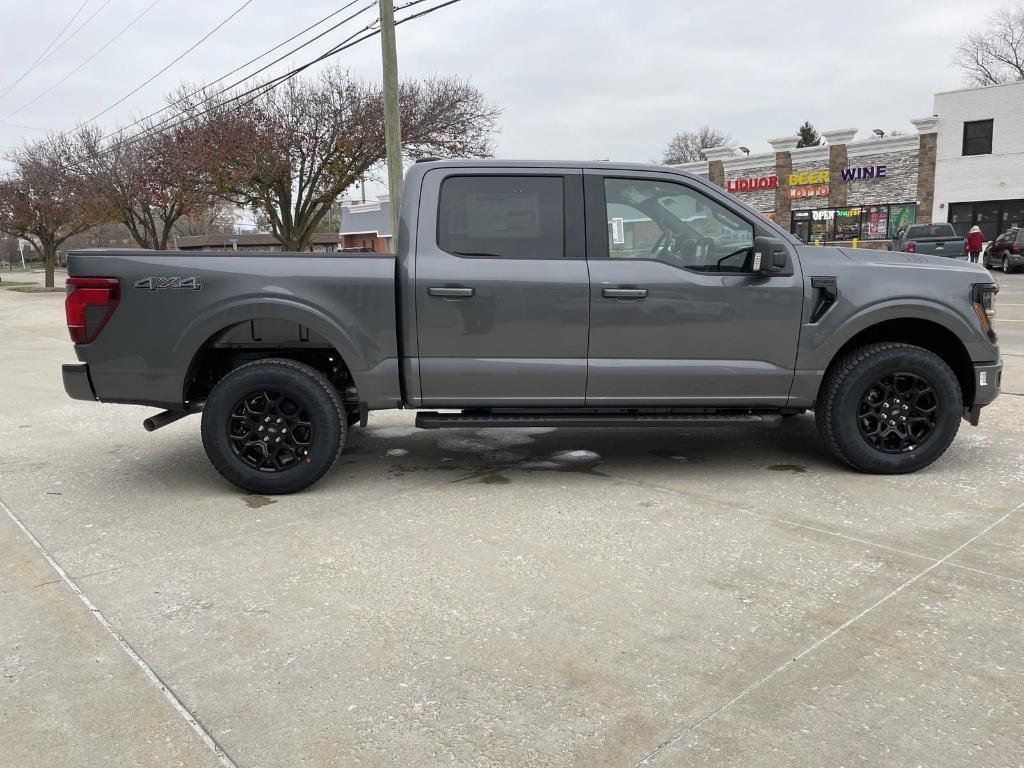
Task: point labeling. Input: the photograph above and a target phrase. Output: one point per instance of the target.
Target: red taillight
(911, 247)
(83, 293)
(1015, 247)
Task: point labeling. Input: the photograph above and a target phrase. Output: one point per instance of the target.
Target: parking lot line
(821, 641)
(147, 670)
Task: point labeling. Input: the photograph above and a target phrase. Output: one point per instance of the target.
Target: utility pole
(392, 118)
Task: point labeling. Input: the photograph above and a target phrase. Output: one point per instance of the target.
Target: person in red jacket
(974, 242)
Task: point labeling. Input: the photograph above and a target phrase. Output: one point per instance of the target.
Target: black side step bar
(435, 420)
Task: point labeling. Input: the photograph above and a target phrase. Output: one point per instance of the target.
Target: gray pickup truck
(931, 239)
(540, 293)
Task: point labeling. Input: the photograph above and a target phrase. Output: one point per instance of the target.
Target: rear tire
(889, 408)
(1007, 269)
(273, 426)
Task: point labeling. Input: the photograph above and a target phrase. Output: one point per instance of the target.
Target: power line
(7, 88)
(240, 67)
(269, 85)
(266, 87)
(195, 45)
(67, 39)
(102, 48)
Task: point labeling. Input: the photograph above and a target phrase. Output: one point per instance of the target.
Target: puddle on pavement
(256, 502)
(796, 469)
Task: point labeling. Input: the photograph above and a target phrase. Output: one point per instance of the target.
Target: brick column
(716, 163)
(716, 173)
(783, 167)
(838, 159)
(926, 154)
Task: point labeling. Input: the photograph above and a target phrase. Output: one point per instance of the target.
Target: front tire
(273, 426)
(889, 408)
(1007, 269)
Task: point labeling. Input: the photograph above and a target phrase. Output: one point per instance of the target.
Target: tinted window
(978, 137)
(931, 230)
(674, 224)
(511, 217)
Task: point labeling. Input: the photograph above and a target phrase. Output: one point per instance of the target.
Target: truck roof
(603, 165)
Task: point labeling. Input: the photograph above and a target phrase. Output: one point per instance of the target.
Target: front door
(502, 291)
(677, 316)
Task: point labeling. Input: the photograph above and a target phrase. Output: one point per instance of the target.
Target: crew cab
(540, 293)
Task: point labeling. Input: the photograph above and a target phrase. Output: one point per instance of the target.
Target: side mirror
(770, 256)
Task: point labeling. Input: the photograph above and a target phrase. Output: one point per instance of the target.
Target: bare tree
(147, 181)
(994, 54)
(39, 200)
(689, 146)
(291, 153)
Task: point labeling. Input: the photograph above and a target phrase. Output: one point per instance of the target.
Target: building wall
(761, 199)
(998, 176)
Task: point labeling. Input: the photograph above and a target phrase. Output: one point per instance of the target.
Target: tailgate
(939, 246)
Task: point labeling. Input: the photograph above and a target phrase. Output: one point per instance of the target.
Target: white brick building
(979, 167)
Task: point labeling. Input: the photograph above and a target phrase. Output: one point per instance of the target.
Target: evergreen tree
(808, 135)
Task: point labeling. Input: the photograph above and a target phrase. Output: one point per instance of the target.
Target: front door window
(674, 224)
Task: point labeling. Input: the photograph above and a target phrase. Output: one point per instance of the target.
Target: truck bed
(174, 303)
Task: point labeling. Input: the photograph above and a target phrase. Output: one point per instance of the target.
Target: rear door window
(505, 217)
(931, 230)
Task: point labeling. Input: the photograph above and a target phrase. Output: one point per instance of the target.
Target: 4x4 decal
(169, 283)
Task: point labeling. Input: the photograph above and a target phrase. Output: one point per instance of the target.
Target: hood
(900, 259)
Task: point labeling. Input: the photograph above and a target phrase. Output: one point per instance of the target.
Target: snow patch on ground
(389, 432)
(397, 452)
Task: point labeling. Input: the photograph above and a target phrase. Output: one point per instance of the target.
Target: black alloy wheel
(889, 408)
(270, 431)
(274, 426)
(898, 413)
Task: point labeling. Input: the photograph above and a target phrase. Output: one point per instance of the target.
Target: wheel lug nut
(283, 430)
(278, 421)
(278, 440)
(266, 439)
(906, 407)
(259, 428)
(903, 418)
(885, 405)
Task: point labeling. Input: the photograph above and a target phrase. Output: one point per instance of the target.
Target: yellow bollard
(853, 243)
(817, 242)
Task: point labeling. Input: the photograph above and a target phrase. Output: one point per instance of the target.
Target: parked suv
(1006, 252)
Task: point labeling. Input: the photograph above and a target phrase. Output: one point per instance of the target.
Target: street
(513, 597)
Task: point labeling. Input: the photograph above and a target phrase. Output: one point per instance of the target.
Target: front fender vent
(826, 292)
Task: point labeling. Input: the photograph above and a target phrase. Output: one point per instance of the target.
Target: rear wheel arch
(260, 338)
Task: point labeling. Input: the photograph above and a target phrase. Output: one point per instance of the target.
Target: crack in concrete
(141, 663)
(821, 641)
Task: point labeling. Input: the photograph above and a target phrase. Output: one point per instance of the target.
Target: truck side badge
(757, 262)
(169, 284)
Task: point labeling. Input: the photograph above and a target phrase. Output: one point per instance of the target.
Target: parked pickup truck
(932, 239)
(564, 294)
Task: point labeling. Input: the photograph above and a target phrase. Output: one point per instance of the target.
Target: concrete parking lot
(502, 597)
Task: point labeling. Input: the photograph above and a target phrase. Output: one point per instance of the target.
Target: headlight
(983, 297)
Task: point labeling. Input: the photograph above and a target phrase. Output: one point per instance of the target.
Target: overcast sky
(577, 79)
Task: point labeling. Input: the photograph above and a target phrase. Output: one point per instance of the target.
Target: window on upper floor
(978, 137)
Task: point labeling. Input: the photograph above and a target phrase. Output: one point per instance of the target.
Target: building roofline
(980, 88)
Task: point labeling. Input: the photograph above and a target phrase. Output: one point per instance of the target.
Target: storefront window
(901, 217)
(876, 222)
(847, 223)
(821, 225)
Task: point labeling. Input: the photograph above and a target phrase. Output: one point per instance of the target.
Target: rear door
(677, 315)
(502, 299)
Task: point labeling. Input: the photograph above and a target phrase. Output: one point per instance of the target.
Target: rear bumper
(77, 383)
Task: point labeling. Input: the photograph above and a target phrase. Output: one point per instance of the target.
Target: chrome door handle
(624, 293)
(446, 292)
